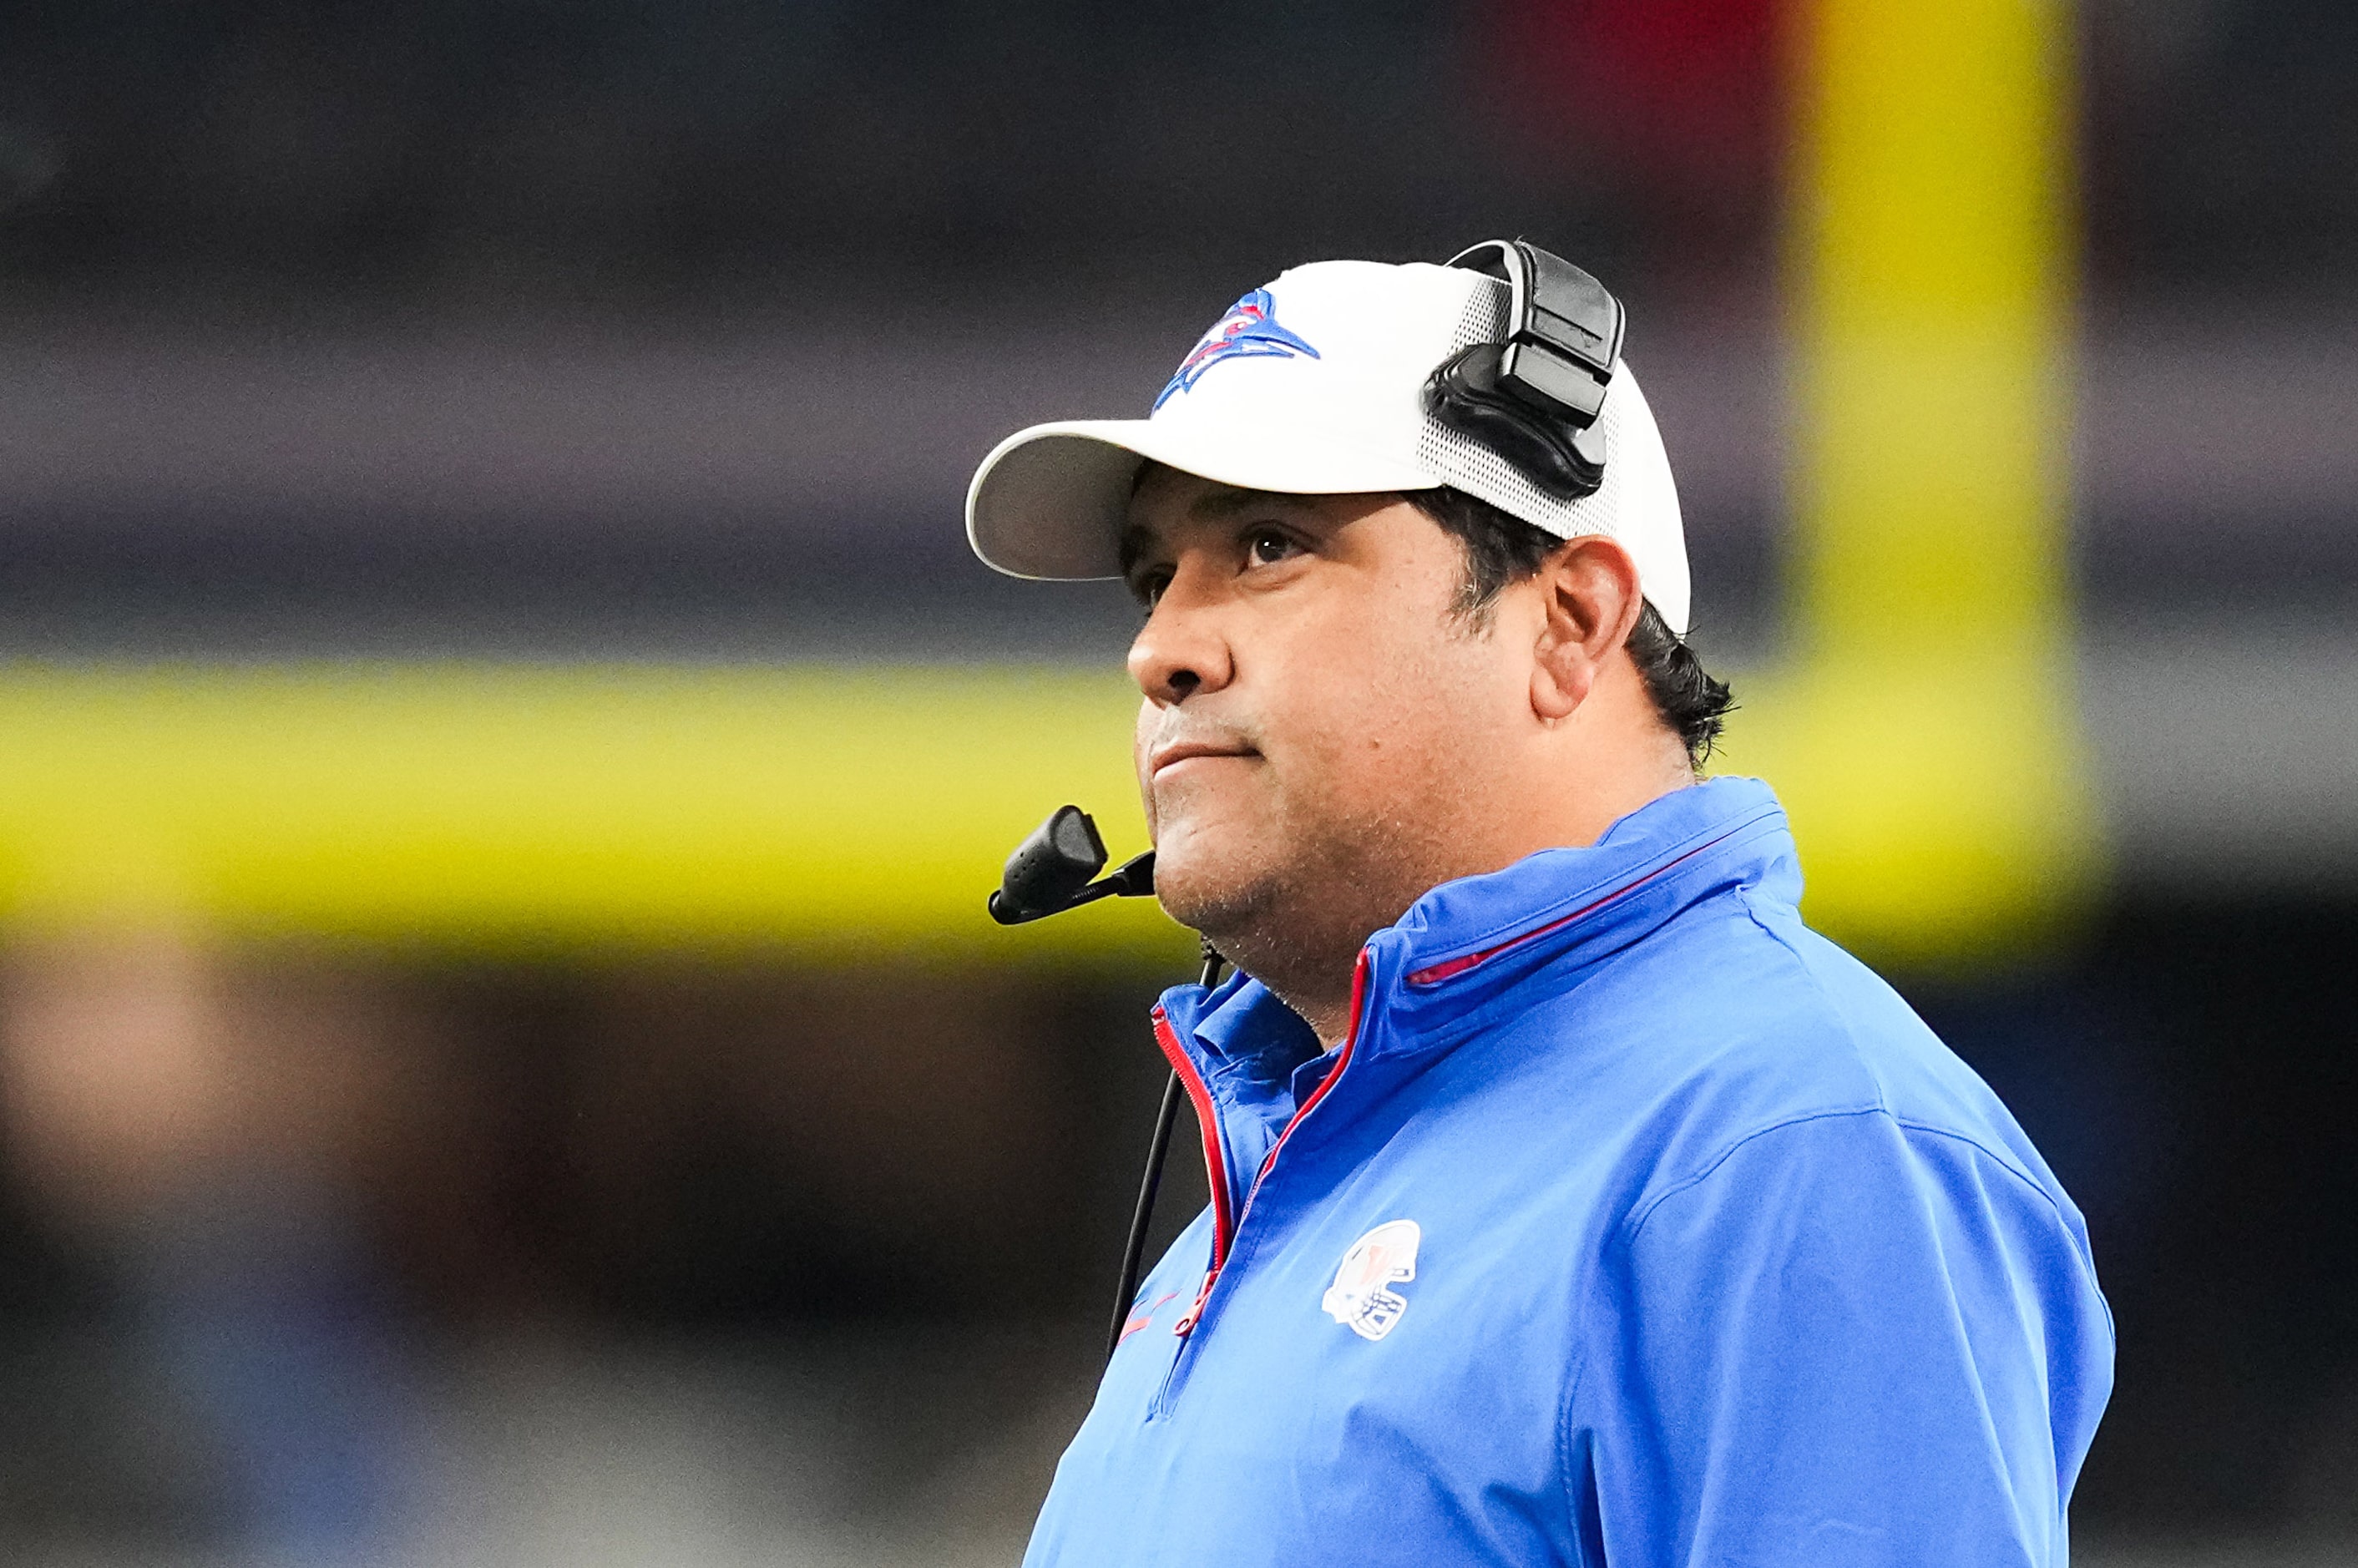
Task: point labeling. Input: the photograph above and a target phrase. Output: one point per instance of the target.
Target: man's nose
(1181, 649)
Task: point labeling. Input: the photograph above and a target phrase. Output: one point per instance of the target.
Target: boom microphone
(1049, 873)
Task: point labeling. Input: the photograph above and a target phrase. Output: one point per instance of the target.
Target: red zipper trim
(1215, 1163)
(1449, 968)
(1186, 1323)
(1432, 975)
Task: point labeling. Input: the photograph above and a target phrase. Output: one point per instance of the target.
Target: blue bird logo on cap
(1249, 331)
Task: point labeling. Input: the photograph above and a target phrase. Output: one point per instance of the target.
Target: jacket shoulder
(1739, 1020)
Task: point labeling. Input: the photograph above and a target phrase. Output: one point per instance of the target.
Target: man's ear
(1590, 601)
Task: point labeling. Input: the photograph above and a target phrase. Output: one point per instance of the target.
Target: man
(1571, 1201)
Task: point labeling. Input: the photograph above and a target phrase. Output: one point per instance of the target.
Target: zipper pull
(1187, 1320)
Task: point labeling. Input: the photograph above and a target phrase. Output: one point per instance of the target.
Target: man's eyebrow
(1138, 541)
(1226, 502)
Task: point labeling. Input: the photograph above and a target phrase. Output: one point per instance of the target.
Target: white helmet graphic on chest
(1361, 1298)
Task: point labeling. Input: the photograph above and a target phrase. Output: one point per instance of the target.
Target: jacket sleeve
(1846, 1342)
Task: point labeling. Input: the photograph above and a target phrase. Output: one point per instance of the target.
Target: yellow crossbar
(836, 810)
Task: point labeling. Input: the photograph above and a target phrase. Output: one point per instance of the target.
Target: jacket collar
(1430, 978)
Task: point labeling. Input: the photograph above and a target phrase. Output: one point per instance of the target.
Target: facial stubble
(1287, 881)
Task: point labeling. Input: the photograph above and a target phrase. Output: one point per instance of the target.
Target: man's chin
(1209, 882)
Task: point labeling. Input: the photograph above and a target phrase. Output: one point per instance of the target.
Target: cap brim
(1051, 501)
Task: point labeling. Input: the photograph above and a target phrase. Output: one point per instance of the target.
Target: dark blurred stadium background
(387, 388)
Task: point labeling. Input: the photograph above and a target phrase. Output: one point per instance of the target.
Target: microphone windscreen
(1056, 863)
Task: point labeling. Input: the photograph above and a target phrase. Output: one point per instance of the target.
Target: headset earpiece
(1465, 395)
(1535, 398)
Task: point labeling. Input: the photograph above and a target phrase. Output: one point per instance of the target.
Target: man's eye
(1269, 545)
(1147, 587)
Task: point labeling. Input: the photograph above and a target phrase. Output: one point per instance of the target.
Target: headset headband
(1564, 328)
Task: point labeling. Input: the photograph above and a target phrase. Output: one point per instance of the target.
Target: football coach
(1571, 1201)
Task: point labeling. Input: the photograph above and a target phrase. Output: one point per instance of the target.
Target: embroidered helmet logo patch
(1362, 1299)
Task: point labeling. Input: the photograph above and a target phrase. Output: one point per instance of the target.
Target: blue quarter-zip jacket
(1632, 1223)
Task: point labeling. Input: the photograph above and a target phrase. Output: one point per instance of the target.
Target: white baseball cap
(1314, 386)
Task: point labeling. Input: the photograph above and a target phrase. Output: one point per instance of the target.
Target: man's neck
(1308, 957)
(1331, 1023)
(1303, 975)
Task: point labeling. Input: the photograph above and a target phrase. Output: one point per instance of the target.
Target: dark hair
(1501, 548)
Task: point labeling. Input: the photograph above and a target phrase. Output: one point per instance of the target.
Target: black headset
(1534, 399)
